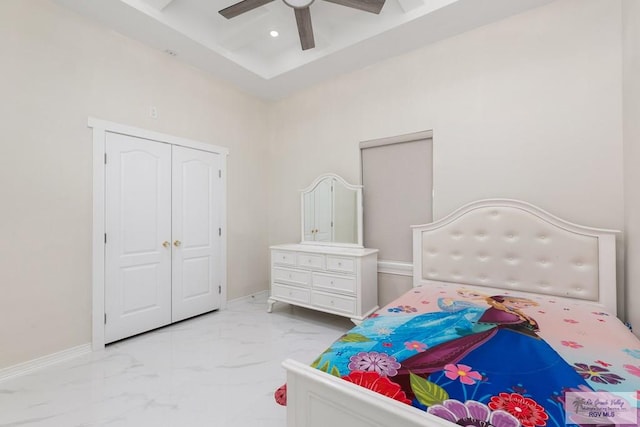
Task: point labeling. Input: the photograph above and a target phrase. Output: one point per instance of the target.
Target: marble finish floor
(219, 369)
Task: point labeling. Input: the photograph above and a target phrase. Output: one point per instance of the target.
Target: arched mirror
(332, 212)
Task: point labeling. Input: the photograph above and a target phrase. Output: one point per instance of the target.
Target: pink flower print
(463, 372)
(633, 370)
(424, 302)
(605, 364)
(387, 344)
(373, 361)
(571, 321)
(415, 345)
(571, 344)
(541, 311)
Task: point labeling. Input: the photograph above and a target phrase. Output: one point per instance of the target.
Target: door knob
(166, 244)
(177, 243)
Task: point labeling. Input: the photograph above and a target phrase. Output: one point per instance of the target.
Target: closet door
(138, 235)
(197, 204)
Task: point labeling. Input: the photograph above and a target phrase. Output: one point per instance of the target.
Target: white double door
(162, 242)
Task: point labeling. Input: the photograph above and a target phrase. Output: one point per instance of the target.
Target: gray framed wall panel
(397, 178)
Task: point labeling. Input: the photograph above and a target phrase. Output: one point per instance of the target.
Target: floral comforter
(487, 360)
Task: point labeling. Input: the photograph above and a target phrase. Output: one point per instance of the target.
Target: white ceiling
(241, 51)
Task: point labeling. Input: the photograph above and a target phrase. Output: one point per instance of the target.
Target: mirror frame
(356, 188)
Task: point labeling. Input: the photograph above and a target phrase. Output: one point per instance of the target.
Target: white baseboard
(395, 267)
(259, 294)
(44, 361)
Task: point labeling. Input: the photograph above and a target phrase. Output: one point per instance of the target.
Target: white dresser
(342, 281)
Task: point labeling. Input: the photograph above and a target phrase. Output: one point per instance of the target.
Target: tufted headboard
(510, 244)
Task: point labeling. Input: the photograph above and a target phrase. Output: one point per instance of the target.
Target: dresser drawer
(334, 283)
(290, 293)
(340, 303)
(293, 277)
(343, 265)
(313, 261)
(284, 258)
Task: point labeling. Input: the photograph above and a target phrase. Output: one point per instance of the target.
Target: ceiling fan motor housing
(298, 4)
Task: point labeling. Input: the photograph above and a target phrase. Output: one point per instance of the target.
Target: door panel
(139, 291)
(137, 222)
(197, 202)
(196, 275)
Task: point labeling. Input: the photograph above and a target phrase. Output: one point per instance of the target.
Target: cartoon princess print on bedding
(474, 353)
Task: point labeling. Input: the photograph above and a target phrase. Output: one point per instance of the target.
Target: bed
(499, 275)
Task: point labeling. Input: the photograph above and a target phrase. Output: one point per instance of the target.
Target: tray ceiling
(242, 51)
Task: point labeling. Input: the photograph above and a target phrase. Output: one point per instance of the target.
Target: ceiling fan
(303, 15)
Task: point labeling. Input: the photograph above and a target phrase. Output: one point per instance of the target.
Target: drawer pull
(289, 275)
(339, 264)
(309, 261)
(332, 302)
(332, 282)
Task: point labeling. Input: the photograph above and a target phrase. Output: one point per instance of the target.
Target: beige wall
(631, 102)
(528, 108)
(57, 69)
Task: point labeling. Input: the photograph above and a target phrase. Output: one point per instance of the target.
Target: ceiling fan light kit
(298, 4)
(302, 13)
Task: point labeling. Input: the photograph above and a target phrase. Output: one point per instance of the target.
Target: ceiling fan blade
(242, 7)
(373, 6)
(305, 31)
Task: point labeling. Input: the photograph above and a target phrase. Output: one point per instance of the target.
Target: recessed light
(274, 33)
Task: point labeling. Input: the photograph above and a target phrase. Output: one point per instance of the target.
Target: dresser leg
(270, 302)
(361, 319)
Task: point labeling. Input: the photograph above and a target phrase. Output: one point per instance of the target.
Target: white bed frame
(498, 244)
